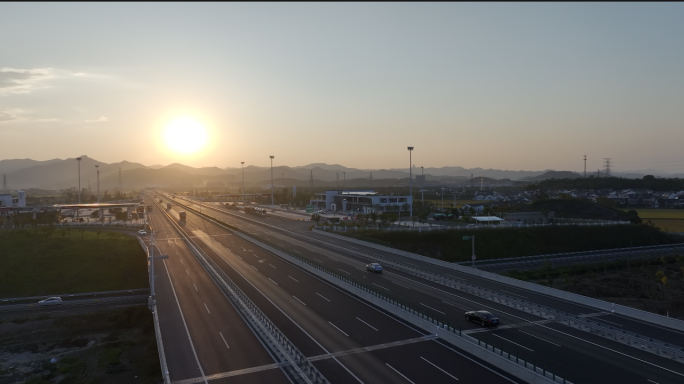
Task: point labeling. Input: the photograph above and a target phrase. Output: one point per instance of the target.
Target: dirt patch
(114, 346)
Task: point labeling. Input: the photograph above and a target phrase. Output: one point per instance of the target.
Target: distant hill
(553, 175)
(13, 165)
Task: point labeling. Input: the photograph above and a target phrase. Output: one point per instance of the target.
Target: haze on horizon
(521, 86)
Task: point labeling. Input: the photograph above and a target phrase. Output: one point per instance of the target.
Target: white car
(142, 232)
(51, 300)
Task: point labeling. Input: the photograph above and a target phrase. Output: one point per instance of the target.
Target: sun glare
(185, 136)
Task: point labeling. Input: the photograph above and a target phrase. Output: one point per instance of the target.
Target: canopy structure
(487, 219)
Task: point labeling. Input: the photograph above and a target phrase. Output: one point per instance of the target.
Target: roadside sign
(466, 237)
(309, 208)
(473, 257)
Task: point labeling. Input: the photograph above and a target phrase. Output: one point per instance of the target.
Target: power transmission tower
(606, 166)
(371, 179)
(482, 183)
(585, 166)
(311, 183)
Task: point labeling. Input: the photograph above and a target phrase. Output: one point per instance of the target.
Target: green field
(661, 213)
(36, 263)
(669, 225)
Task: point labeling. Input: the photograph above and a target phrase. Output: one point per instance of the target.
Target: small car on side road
(483, 318)
(51, 300)
(142, 232)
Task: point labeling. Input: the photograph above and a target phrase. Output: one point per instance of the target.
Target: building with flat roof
(365, 201)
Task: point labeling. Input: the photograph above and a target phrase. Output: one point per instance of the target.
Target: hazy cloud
(9, 114)
(22, 80)
(100, 120)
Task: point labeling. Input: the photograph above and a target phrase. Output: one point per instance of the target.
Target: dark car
(484, 318)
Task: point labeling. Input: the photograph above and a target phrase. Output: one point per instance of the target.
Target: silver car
(51, 300)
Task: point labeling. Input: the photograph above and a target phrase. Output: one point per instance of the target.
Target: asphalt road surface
(346, 339)
(578, 355)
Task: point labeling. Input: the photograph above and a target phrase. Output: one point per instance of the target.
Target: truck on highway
(149, 208)
(181, 215)
(168, 206)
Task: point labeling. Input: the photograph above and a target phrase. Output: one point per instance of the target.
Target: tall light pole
(410, 149)
(97, 167)
(243, 182)
(79, 179)
(344, 179)
(422, 181)
(272, 187)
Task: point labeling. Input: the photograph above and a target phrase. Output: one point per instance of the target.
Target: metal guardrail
(300, 368)
(405, 307)
(157, 330)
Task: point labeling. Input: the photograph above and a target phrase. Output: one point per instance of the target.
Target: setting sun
(185, 136)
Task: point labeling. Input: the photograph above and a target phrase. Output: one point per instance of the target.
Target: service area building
(365, 201)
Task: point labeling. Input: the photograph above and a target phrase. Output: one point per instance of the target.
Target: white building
(365, 201)
(9, 201)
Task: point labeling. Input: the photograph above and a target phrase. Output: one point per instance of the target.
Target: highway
(583, 356)
(347, 340)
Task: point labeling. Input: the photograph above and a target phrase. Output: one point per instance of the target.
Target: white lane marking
(511, 293)
(400, 284)
(338, 329)
(447, 373)
(432, 308)
(255, 255)
(243, 248)
(205, 306)
(446, 302)
(298, 299)
(380, 286)
(540, 338)
(192, 345)
(271, 265)
(240, 257)
(322, 296)
(400, 374)
(186, 271)
(273, 281)
(232, 241)
(182, 262)
(297, 251)
(253, 267)
(317, 260)
(224, 340)
(653, 381)
(293, 278)
(513, 342)
(193, 284)
(366, 323)
(348, 273)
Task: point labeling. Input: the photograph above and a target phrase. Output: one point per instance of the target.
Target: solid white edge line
(437, 310)
(447, 373)
(345, 333)
(205, 306)
(272, 265)
(298, 299)
(366, 323)
(224, 340)
(323, 296)
(512, 342)
(192, 346)
(193, 284)
(253, 267)
(273, 281)
(400, 374)
(293, 278)
(558, 345)
(653, 381)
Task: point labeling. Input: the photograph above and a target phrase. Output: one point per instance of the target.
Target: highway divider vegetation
(50, 260)
(448, 245)
(654, 284)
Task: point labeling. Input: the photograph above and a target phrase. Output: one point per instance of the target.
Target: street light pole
(410, 149)
(97, 167)
(79, 179)
(422, 181)
(243, 182)
(272, 187)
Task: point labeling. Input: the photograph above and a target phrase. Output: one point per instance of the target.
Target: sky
(520, 86)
